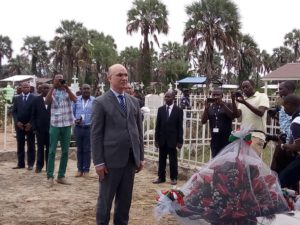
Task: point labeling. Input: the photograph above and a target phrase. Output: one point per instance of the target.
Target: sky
(267, 21)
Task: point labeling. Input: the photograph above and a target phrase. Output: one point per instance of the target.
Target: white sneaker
(50, 182)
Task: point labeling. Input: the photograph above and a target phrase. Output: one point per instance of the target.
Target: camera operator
(291, 175)
(280, 158)
(252, 110)
(60, 97)
(220, 116)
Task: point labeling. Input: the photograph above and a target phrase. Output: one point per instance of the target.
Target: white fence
(196, 147)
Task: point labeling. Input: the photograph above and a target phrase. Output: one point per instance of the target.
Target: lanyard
(84, 105)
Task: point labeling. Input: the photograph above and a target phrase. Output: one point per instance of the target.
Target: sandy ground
(25, 198)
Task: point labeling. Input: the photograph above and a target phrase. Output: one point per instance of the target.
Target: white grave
(154, 101)
(75, 85)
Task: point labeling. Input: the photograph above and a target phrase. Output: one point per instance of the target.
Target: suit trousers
(21, 134)
(83, 148)
(117, 183)
(163, 154)
(43, 148)
(64, 135)
(290, 175)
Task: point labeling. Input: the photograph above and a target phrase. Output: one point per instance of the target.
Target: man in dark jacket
(41, 125)
(22, 110)
(168, 137)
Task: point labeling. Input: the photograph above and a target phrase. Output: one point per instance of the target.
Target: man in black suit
(41, 126)
(22, 110)
(168, 136)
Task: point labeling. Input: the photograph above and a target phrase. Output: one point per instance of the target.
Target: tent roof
(290, 71)
(17, 78)
(192, 80)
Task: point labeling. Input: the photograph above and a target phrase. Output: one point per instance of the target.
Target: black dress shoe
(37, 170)
(158, 181)
(18, 167)
(173, 182)
(29, 168)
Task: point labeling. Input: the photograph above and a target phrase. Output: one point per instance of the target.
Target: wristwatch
(282, 146)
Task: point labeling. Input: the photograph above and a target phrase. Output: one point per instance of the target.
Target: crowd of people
(108, 130)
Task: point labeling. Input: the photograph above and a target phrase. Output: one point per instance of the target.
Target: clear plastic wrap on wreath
(235, 186)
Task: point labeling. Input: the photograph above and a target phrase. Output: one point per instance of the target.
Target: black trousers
(218, 142)
(43, 148)
(29, 135)
(163, 154)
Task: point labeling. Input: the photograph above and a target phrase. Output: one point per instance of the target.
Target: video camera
(238, 93)
(62, 81)
(274, 110)
(211, 100)
(270, 137)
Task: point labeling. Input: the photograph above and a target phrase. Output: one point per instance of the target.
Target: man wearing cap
(117, 146)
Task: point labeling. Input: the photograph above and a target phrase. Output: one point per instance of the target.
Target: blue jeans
(83, 148)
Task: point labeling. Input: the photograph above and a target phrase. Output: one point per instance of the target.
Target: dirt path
(25, 198)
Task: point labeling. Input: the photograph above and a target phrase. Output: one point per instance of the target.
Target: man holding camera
(220, 116)
(60, 97)
(280, 158)
(290, 175)
(252, 110)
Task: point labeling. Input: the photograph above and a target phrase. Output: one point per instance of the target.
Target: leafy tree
(172, 62)
(130, 59)
(103, 53)
(5, 49)
(36, 48)
(292, 40)
(212, 25)
(19, 65)
(150, 18)
(281, 56)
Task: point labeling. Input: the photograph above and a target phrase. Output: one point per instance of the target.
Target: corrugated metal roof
(290, 71)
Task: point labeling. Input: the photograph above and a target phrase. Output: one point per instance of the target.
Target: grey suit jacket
(113, 133)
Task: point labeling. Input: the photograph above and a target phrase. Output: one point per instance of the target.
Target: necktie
(122, 103)
(24, 98)
(168, 113)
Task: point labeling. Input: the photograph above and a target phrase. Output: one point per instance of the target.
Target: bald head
(118, 78)
(116, 69)
(291, 104)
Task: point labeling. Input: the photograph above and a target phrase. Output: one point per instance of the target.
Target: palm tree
(67, 45)
(264, 63)
(246, 57)
(211, 24)
(292, 40)
(150, 18)
(5, 49)
(36, 48)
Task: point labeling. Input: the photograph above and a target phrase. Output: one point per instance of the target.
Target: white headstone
(75, 85)
(154, 101)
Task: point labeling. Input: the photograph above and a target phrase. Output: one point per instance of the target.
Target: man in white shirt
(252, 110)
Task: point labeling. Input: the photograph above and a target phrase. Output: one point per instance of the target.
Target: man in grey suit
(117, 146)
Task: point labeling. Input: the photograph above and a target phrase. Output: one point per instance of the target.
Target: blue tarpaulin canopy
(192, 80)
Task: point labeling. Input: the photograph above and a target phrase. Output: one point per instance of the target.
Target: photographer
(60, 97)
(220, 116)
(252, 110)
(280, 158)
(290, 175)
